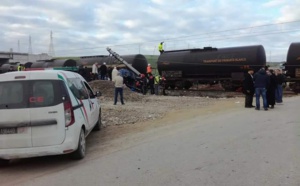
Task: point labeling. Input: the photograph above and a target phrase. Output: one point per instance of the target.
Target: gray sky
(137, 26)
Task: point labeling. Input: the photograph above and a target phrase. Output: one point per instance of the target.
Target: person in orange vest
(149, 70)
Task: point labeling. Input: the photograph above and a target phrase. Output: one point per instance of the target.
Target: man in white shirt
(95, 71)
(114, 73)
(119, 83)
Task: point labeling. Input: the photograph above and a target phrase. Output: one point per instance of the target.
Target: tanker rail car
(138, 61)
(292, 67)
(227, 66)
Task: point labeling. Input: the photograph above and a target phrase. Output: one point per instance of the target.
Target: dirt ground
(140, 108)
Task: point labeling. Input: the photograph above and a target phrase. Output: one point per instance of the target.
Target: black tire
(4, 162)
(98, 125)
(80, 152)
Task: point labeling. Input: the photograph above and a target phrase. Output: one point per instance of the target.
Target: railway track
(215, 93)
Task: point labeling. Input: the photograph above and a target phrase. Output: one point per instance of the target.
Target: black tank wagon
(292, 67)
(210, 65)
(138, 61)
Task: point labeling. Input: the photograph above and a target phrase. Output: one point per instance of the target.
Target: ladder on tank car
(118, 57)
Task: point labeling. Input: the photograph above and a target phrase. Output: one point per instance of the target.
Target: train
(210, 65)
(138, 61)
(183, 68)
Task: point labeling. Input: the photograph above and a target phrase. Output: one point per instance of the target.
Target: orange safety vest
(149, 70)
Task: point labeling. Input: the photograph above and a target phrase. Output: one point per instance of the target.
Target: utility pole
(19, 46)
(51, 46)
(30, 46)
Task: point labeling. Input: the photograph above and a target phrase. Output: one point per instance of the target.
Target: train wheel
(172, 87)
(295, 87)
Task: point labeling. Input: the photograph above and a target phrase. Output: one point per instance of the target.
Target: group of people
(151, 82)
(99, 72)
(265, 83)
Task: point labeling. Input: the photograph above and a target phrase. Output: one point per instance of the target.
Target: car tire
(4, 162)
(98, 125)
(80, 152)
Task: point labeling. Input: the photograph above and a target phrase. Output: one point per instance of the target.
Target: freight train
(138, 61)
(183, 68)
(210, 65)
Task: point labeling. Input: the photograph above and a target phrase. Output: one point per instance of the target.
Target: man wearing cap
(248, 88)
(119, 88)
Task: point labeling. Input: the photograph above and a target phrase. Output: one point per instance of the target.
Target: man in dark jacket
(261, 82)
(151, 83)
(103, 71)
(271, 89)
(248, 88)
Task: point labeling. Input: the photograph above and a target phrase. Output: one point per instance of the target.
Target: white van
(46, 113)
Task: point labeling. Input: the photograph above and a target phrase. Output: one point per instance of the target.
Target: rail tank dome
(211, 62)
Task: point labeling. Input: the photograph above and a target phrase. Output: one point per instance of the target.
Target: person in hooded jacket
(261, 82)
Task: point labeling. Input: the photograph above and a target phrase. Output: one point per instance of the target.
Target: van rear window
(30, 94)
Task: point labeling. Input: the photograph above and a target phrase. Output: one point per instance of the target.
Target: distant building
(16, 57)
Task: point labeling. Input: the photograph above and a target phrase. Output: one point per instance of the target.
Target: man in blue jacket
(261, 82)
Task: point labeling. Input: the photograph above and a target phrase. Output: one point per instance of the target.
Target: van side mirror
(98, 94)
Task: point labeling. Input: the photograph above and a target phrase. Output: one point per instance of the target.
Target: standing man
(114, 73)
(271, 89)
(119, 83)
(20, 67)
(95, 71)
(149, 70)
(151, 83)
(143, 83)
(156, 84)
(161, 47)
(261, 82)
(280, 78)
(248, 88)
(103, 71)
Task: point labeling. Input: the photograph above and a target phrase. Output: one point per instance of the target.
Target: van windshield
(30, 94)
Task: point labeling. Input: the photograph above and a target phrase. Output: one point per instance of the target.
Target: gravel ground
(139, 108)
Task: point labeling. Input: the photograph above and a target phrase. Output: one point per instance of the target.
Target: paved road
(235, 148)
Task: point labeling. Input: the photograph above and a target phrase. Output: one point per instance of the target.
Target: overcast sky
(87, 27)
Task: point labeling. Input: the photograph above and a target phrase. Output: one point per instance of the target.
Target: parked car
(45, 113)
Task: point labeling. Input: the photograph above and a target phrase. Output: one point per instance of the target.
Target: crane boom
(118, 57)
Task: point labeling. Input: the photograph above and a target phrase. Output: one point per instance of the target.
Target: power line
(29, 46)
(181, 37)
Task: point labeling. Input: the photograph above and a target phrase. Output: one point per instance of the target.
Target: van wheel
(4, 162)
(80, 152)
(98, 125)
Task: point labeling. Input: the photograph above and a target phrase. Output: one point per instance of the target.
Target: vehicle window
(12, 95)
(91, 93)
(30, 94)
(42, 94)
(77, 88)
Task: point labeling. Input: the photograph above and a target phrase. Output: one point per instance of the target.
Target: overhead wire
(179, 37)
